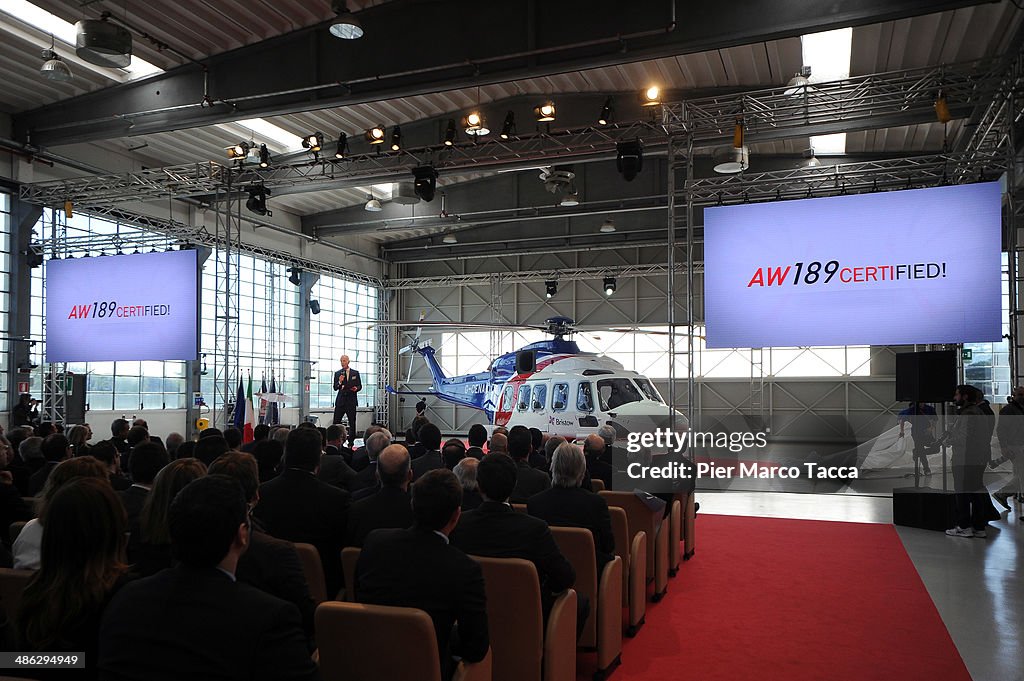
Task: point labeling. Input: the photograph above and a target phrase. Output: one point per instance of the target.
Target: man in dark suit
(366, 481)
(119, 436)
(477, 440)
(146, 461)
(260, 433)
(417, 568)
(55, 448)
(389, 506)
(334, 469)
(300, 508)
(360, 458)
(347, 383)
(337, 434)
(567, 504)
(529, 480)
(597, 465)
(537, 458)
(465, 471)
(497, 531)
(196, 619)
(430, 438)
(271, 565)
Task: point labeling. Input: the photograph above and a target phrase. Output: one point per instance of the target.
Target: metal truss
(382, 407)
(533, 276)
(878, 100)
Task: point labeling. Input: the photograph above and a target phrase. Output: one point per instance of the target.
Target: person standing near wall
(348, 384)
(1010, 431)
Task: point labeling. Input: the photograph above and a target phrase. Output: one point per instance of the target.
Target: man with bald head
(499, 444)
(366, 481)
(389, 506)
(598, 467)
(347, 383)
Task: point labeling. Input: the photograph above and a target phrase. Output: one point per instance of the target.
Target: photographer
(25, 412)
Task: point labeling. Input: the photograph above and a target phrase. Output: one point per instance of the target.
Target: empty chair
(642, 518)
(12, 584)
(632, 550)
(603, 629)
(313, 569)
(675, 534)
(349, 558)
(521, 648)
(688, 526)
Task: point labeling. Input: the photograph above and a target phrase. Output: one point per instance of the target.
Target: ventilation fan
(100, 42)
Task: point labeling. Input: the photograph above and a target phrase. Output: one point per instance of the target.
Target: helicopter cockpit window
(615, 392)
(524, 398)
(540, 396)
(560, 397)
(506, 399)
(584, 398)
(649, 391)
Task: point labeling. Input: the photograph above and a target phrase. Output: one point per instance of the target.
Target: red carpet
(793, 600)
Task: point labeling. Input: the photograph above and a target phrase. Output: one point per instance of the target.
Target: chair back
(358, 642)
(313, 569)
(675, 532)
(15, 529)
(596, 485)
(514, 618)
(349, 558)
(641, 519)
(577, 545)
(12, 585)
(519, 508)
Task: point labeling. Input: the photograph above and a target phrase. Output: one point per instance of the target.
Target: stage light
(238, 151)
(373, 205)
(475, 124)
(345, 25)
(425, 182)
(375, 135)
(508, 128)
(652, 96)
(449, 239)
(629, 158)
(799, 83)
(545, 112)
(607, 227)
(607, 112)
(342, 145)
(257, 202)
(396, 138)
(449, 134)
(552, 288)
(264, 156)
(609, 285)
(570, 199)
(736, 158)
(314, 306)
(313, 142)
(296, 276)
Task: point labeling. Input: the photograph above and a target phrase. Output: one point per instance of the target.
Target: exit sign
(967, 354)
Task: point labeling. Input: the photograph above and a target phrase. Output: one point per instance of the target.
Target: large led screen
(892, 268)
(124, 307)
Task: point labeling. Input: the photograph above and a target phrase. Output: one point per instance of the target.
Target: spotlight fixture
(607, 227)
(629, 158)
(425, 182)
(34, 257)
(475, 124)
(257, 202)
(314, 306)
(736, 158)
(508, 128)
(810, 160)
(264, 156)
(552, 289)
(53, 67)
(102, 43)
(609, 286)
(296, 276)
(652, 96)
(375, 135)
(572, 198)
(449, 238)
(449, 133)
(342, 145)
(396, 138)
(345, 25)
(373, 205)
(799, 83)
(607, 112)
(545, 112)
(239, 151)
(313, 142)
(942, 109)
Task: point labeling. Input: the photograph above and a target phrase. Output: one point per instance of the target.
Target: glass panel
(560, 397)
(615, 392)
(584, 398)
(540, 394)
(524, 398)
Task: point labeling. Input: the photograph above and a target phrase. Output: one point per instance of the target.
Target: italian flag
(250, 415)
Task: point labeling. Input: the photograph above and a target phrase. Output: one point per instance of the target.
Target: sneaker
(960, 532)
(980, 534)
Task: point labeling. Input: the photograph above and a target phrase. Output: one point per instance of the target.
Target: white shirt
(27, 546)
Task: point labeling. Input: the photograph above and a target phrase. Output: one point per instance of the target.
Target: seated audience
(465, 471)
(149, 543)
(366, 481)
(597, 466)
(174, 441)
(196, 621)
(210, 447)
(186, 450)
(27, 545)
(498, 443)
(537, 458)
(259, 434)
(211, 432)
(12, 507)
(233, 436)
(567, 504)
(551, 445)
(430, 437)
(529, 480)
(146, 461)
(82, 566)
(337, 435)
(360, 457)
(389, 506)
(298, 507)
(271, 565)
(45, 428)
(107, 455)
(30, 451)
(55, 448)
(453, 452)
(416, 448)
(333, 468)
(418, 568)
(78, 438)
(477, 439)
(268, 457)
(118, 435)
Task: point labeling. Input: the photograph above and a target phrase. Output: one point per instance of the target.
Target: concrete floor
(977, 585)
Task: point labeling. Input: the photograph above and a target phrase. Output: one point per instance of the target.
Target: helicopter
(551, 385)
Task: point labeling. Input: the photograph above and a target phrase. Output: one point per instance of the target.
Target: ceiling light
(313, 142)
(375, 135)
(449, 238)
(449, 133)
(607, 227)
(475, 124)
(552, 289)
(736, 158)
(810, 160)
(373, 205)
(609, 285)
(257, 202)
(238, 151)
(629, 158)
(607, 112)
(314, 306)
(342, 146)
(425, 182)
(545, 112)
(799, 83)
(396, 138)
(264, 156)
(345, 26)
(100, 42)
(53, 68)
(508, 128)
(296, 276)
(570, 199)
(652, 96)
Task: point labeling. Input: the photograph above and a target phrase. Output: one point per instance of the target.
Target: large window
(343, 327)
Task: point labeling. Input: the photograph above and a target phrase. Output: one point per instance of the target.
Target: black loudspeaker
(74, 398)
(526, 362)
(925, 376)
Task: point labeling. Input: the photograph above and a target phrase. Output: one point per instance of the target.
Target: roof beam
(308, 69)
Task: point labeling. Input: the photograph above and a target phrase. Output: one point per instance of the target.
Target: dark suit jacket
(539, 461)
(418, 569)
(601, 470)
(576, 507)
(188, 623)
(430, 461)
(298, 507)
(417, 450)
(475, 452)
(340, 450)
(529, 481)
(495, 530)
(272, 566)
(118, 481)
(344, 387)
(365, 478)
(471, 499)
(360, 459)
(38, 479)
(388, 508)
(12, 509)
(334, 471)
(133, 498)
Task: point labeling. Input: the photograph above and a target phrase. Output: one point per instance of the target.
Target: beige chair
(656, 526)
(349, 558)
(12, 585)
(519, 508)
(359, 642)
(675, 518)
(16, 528)
(632, 550)
(313, 569)
(688, 526)
(522, 650)
(603, 629)
(596, 484)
